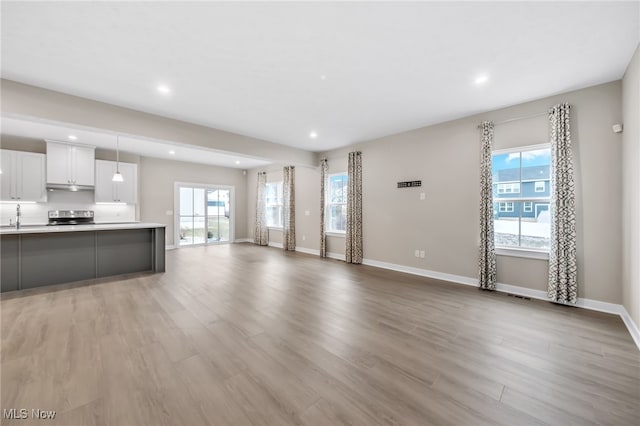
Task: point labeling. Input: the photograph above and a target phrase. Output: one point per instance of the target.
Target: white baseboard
(422, 272)
(308, 251)
(596, 305)
(592, 305)
(521, 291)
(336, 256)
(315, 252)
(631, 326)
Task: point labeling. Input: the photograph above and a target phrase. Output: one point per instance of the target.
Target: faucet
(18, 216)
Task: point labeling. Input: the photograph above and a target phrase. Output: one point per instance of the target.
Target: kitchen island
(36, 256)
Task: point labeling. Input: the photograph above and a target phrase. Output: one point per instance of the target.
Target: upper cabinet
(70, 164)
(23, 176)
(107, 191)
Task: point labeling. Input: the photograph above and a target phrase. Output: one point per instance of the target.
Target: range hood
(68, 187)
(70, 167)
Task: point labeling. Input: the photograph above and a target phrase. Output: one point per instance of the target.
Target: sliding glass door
(218, 201)
(204, 214)
(191, 216)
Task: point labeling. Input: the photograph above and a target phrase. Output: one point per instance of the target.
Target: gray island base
(40, 256)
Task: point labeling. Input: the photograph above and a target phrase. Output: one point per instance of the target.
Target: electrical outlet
(421, 254)
(416, 253)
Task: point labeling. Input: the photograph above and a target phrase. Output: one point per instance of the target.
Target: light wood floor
(248, 335)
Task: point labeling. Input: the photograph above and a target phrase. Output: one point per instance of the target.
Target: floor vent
(518, 296)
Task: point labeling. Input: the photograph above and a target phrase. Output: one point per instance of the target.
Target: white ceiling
(127, 143)
(255, 68)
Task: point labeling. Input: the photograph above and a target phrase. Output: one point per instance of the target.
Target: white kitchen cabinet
(107, 191)
(84, 166)
(23, 176)
(58, 163)
(70, 164)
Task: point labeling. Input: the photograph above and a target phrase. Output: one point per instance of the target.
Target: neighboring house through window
(336, 220)
(273, 203)
(521, 197)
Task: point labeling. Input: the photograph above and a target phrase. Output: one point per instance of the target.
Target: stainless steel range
(70, 217)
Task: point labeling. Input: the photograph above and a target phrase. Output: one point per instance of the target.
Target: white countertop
(40, 229)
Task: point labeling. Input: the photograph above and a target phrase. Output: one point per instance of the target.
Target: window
(273, 204)
(336, 220)
(521, 204)
(505, 207)
(509, 188)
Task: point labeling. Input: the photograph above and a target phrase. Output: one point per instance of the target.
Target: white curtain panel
(260, 235)
(289, 208)
(324, 176)
(353, 240)
(563, 265)
(487, 260)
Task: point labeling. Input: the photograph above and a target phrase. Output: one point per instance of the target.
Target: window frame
(279, 203)
(508, 188)
(521, 251)
(176, 212)
(506, 207)
(329, 203)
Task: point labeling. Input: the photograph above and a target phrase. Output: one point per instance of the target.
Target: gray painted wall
(631, 189)
(157, 178)
(307, 200)
(446, 157)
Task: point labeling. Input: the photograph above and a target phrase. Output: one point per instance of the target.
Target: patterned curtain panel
(260, 235)
(353, 248)
(563, 269)
(289, 208)
(487, 261)
(324, 176)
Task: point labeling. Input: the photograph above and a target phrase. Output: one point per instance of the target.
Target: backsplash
(37, 214)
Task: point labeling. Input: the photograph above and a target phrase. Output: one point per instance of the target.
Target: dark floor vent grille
(518, 296)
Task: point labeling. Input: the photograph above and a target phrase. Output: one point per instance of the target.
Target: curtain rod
(524, 117)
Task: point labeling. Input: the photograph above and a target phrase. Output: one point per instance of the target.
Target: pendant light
(117, 176)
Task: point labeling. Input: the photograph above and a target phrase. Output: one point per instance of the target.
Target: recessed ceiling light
(237, 161)
(73, 137)
(481, 79)
(165, 90)
(172, 152)
(313, 135)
